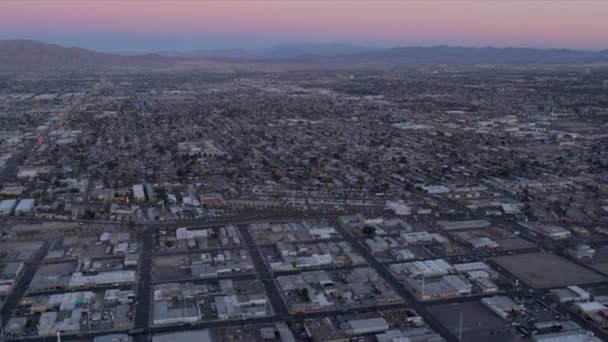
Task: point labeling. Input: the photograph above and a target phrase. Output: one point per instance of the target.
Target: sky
(157, 25)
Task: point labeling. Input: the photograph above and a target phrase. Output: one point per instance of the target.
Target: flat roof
(458, 225)
(184, 336)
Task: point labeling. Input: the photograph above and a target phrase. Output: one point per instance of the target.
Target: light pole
(460, 328)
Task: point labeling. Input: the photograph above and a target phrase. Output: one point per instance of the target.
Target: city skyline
(189, 25)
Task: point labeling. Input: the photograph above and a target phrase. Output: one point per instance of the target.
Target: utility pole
(89, 314)
(422, 286)
(1, 330)
(460, 329)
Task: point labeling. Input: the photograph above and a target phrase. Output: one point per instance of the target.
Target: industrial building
(367, 326)
(7, 207)
(426, 268)
(25, 206)
(548, 230)
(184, 336)
(571, 294)
(423, 237)
(461, 225)
(8, 276)
(113, 338)
(502, 306)
(443, 287)
(78, 279)
(139, 196)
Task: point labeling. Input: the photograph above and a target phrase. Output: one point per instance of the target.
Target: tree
(299, 316)
(369, 231)
(88, 215)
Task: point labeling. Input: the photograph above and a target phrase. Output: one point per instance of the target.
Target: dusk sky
(138, 26)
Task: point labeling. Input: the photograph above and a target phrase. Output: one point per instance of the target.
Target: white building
(25, 206)
(501, 305)
(184, 234)
(27, 173)
(104, 278)
(138, 193)
(323, 233)
(436, 189)
(7, 207)
(399, 208)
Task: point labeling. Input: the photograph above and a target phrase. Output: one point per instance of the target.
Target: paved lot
(543, 269)
(478, 322)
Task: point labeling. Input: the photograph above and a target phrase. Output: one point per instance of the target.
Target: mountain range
(34, 55)
(28, 55)
(283, 51)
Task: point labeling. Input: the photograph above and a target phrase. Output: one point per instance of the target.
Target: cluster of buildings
(436, 278)
(222, 300)
(288, 256)
(200, 238)
(74, 312)
(270, 233)
(325, 290)
(474, 199)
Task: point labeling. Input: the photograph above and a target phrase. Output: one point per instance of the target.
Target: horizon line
(303, 43)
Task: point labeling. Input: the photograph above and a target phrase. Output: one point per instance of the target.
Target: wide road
(265, 276)
(142, 310)
(12, 300)
(412, 301)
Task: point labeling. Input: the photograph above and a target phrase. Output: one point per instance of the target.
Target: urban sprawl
(423, 205)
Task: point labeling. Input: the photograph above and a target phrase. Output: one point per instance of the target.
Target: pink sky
(580, 24)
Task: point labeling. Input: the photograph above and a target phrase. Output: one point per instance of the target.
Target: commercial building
(566, 336)
(443, 287)
(113, 338)
(582, 251)
(571, 294)
(9, 275)
(7, 207)
(323, 233)
(78, 279)
(25, 206)
(138, 193)
(423, 237)
(403, 254)
(184, 336)
(242, 306)
(461, 225)
(551, 231)
(502, 306)
(367, 326)
(167, 312)
(400, 209)
(436, 189)
(427, 268)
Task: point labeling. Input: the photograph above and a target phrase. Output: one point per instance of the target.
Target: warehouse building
(502, 306)
(105, 278)
(461, 225)
(7, 207)
(25, 206)
(113, 338)
(367, 326)
(551, 231)
(184, 336)
(138, 193)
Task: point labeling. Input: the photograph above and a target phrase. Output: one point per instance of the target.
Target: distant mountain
(345, 55)
(27, 55)
(31, 55)
(285, 51)
(484, 55)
